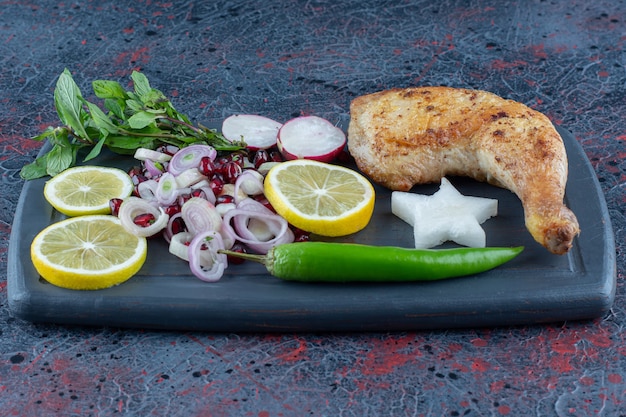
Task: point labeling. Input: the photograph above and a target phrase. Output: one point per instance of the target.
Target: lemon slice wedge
(87, 252)
(320, 198)
(86, 190)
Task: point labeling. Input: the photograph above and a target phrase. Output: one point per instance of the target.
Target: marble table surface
(287, 58)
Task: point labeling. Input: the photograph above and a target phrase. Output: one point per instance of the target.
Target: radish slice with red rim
(310, 137)
(258, 132)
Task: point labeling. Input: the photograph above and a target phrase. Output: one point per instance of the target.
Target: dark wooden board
(536, 287)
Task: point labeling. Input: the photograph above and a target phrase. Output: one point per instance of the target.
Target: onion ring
(189, 157)
(250, 215)
(205, 261)
(132, 207)
(200, 216)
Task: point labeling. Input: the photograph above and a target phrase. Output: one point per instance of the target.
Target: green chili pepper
(348, 262)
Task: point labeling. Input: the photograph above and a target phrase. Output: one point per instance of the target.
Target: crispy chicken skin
(403, 137)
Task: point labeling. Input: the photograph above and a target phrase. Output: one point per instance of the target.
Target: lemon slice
(320, 198)
(85, 190)
(87, 252)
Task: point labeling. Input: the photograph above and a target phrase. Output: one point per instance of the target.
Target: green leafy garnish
(142, 118)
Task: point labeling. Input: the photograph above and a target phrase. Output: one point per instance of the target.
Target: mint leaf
(59, 159)
(48, 133)
(141, 119)
(141, 84)
(108, 89)
(101, 120)
(127, 145)
(95, 151)
(68, 102)
(116, 107)
(134, 105)
(35, 169)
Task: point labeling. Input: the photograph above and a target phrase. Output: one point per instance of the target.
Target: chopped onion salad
(202, 201)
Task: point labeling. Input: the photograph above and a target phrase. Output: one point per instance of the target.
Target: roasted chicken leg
(403, 137)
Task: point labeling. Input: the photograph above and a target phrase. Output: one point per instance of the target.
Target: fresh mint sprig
(142, 118)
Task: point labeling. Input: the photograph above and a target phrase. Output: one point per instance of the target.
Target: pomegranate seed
(144, 220)
(183, 198)
(114, 205)
(238, 158)
(300, 235)
(137, 179)
(171, 210)
(224, 198)
(216, 184)
(207, 166)
(231, 170)
(261, 199)
(178, 226)
(222, 160)
(198, 193)
(275, 156)
(239, 248)
(135, 170)
(260, 157)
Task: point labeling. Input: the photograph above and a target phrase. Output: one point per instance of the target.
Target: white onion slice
(167, 189)
(147, 190)
(189, 177)
(145, 154)
(178, 245)
(134, 206)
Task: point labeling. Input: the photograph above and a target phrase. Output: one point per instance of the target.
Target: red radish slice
(310, 137)
(257, 131)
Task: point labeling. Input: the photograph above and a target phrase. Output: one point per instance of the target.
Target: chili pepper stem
(262, 259)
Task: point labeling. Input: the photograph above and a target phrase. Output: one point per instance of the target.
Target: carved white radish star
(444, 216)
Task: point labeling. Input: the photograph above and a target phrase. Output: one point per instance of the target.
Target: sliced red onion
(228, 236)
(134, 206)
(250, 183)
(224, 208)
(167, 189)
(254, 205)
(256, 226)
(179, 245)
(200, 216)
(260, 229)
(147, 190)
(189, 157)
(205, 186)
(205, 261)
(168, 232)
(153, 169)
